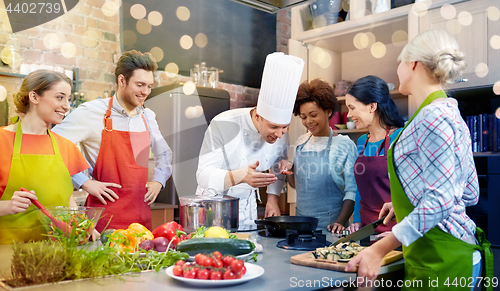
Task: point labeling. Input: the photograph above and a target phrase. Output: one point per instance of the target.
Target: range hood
(272, 6)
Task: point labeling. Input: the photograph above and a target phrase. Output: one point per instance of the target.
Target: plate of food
(253, 271)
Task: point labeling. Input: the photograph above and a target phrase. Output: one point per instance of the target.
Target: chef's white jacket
(232, 142)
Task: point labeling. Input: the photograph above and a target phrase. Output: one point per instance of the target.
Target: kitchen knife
(361, 233)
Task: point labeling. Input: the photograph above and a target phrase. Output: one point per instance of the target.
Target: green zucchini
(225, 246)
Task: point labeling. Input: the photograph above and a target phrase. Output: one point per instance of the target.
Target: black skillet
(277, 225)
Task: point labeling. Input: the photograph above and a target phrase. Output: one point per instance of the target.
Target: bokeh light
(378, 50)
(68, 50)
(190, 111)
(453, 26)
(90, 38)
(157, 53)
(481, 70)
(371, 38)
(319, 21)
(420, 9)
(155, 18)
(186, 42)
(183, 13)
(189, 88)
(143, 26)
(201, 40)
(11, 58)
(496, 90)
(138, 11)
(360, 41)
(399, 38)
(318, 55)
(3, 93)
(199, 111)
(110, 8)
(327, 60)
(345, 5)
(493, 13)
(129, 37)
(495, 42)
(464, 18)
(172, 69)
(497, 112)
(448, 11)
(51, 41)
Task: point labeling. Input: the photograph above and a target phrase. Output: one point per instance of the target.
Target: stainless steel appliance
(183, 119)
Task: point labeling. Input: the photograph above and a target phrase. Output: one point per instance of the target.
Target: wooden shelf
(9, 74)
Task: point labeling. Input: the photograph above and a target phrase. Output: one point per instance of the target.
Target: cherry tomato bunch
(211, 267)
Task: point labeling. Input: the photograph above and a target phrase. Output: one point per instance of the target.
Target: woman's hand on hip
(20, 201)
(101, 190)
(153, 191)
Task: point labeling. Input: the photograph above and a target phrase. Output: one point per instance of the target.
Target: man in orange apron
(116, 135)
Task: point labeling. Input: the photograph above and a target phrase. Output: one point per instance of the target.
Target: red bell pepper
(171, 231)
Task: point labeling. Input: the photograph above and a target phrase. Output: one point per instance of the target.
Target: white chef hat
(278, 90)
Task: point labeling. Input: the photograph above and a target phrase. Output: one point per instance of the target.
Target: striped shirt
(434, 163)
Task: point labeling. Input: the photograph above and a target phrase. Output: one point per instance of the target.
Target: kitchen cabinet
(473, 39)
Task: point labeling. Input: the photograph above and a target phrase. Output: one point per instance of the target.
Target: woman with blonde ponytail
(433, 178)
(34, 158)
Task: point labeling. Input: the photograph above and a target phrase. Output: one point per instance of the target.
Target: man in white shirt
(241, 144)
(115, 135)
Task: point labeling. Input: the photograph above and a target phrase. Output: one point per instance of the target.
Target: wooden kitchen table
(279, 274)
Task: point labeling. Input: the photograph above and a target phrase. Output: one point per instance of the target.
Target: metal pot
(209, 209)
(277, 225)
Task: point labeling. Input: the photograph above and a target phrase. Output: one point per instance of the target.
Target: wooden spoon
(65, 227)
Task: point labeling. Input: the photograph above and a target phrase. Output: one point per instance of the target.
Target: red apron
(117, 163)
(373, 183)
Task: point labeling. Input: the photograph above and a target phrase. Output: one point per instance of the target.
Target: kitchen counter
(279, 274)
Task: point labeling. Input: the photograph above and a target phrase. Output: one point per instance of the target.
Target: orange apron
(117, 163)
(48, 176)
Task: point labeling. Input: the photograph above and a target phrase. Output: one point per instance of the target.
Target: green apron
(48, 176)
(438, 259)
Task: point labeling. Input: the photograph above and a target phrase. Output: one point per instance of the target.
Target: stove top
(307, 241)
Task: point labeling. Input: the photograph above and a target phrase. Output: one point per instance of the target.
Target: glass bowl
(81, 219)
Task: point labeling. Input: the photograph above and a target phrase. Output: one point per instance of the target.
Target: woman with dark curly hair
(323, 164)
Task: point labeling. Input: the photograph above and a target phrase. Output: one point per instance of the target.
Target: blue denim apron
(317, 194)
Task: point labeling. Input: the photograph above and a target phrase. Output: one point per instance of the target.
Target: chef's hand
(388, 210)
(354, 227)
(335, 227)
(257, 179)
(20, 201)
(285, 166)
(100, 190)
(153, 190)
(272, 207)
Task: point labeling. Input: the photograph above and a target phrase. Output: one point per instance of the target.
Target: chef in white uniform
(241, 144)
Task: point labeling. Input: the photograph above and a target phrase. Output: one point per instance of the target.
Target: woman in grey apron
(323, 165)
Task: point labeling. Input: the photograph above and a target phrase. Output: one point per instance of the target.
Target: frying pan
(277, 225)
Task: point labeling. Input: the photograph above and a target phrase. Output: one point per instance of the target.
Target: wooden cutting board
(306, 259)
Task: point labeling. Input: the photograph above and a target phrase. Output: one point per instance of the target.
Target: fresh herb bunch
(81, 227)
(200, 232)
(53, 261)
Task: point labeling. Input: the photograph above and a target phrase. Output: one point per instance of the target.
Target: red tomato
(227, 260)
(228, 275)
(174, 241)
(180, 263)
(237, 265)
(177, 270)
(237, 275)
(217, 255)
(217, 263)
(216, 275)
(203, 274)
(191, 273)
(206, 262)
(244, 270)
(198, 258)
